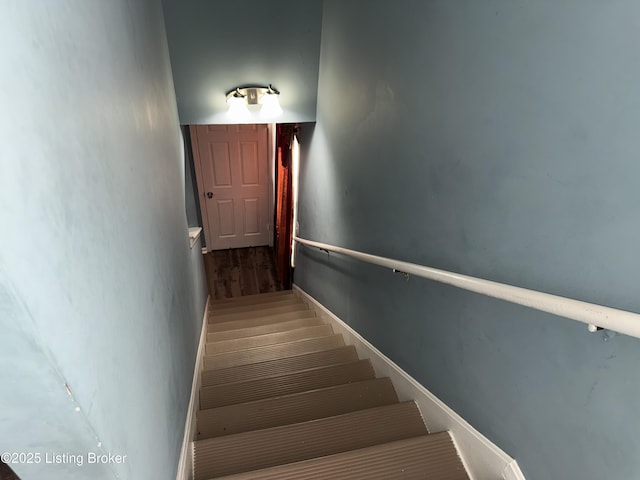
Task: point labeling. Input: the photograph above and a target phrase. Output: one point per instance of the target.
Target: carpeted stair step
(257, 313)
(259, 449)
(258, 298)
(295, 408)
(253, 371)
(310, 379)
(264, 329)
(272, 352)
(260, 321)
(428, 457)
(268, 339)
(285, 301)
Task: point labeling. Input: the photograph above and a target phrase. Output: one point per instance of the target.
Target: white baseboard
(482, 459)
(512, 471)
(185, 464)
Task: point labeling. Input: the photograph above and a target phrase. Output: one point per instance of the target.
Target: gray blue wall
(217, 45)
(98, 286)
(497, 139)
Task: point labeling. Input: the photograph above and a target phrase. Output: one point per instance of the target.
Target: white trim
(195, 148)
(513, 472)
(194, 235)
(295, 176)
(272, 159)
(593, 315)
(185, 464)
(482, 459)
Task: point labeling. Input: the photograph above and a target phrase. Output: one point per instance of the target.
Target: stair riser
(224, 310)
(257, 322)
(294, 443)
(253, 299)
(296, 408)
(271, 352)
(234, 393)
(268, 339)
(264, 330)
(279, 367)
(230, 317)
(427, 457)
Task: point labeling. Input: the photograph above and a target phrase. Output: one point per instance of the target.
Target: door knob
(209, 194)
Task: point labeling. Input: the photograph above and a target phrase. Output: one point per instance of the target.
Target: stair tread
(268, 339)
(272, 352)
(426, 457)
(295, 408)
(285, 384)
(301, 441)
(254, 371)
(259, 321)
(264, 329)
(262, 312)
(250, 299)
(280, 302)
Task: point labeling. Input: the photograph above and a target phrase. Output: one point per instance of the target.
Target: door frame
(200, 182)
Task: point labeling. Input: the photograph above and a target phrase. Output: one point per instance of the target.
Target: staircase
(283, 397)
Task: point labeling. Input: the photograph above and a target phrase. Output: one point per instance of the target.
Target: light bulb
(270, 105)
(237, 108)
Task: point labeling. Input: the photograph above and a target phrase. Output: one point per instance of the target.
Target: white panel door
(235, 183)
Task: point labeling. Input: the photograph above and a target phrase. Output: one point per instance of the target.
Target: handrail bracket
(405, 274)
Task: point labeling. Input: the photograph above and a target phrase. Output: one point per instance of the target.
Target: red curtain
(284, 204)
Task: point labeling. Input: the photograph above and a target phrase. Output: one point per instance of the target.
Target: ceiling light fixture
(240, 99)
(237, 107)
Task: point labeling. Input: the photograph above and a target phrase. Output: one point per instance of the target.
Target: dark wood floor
(242, 271)
(6, 473)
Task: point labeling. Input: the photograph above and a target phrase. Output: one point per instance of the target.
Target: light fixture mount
(258, 96)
